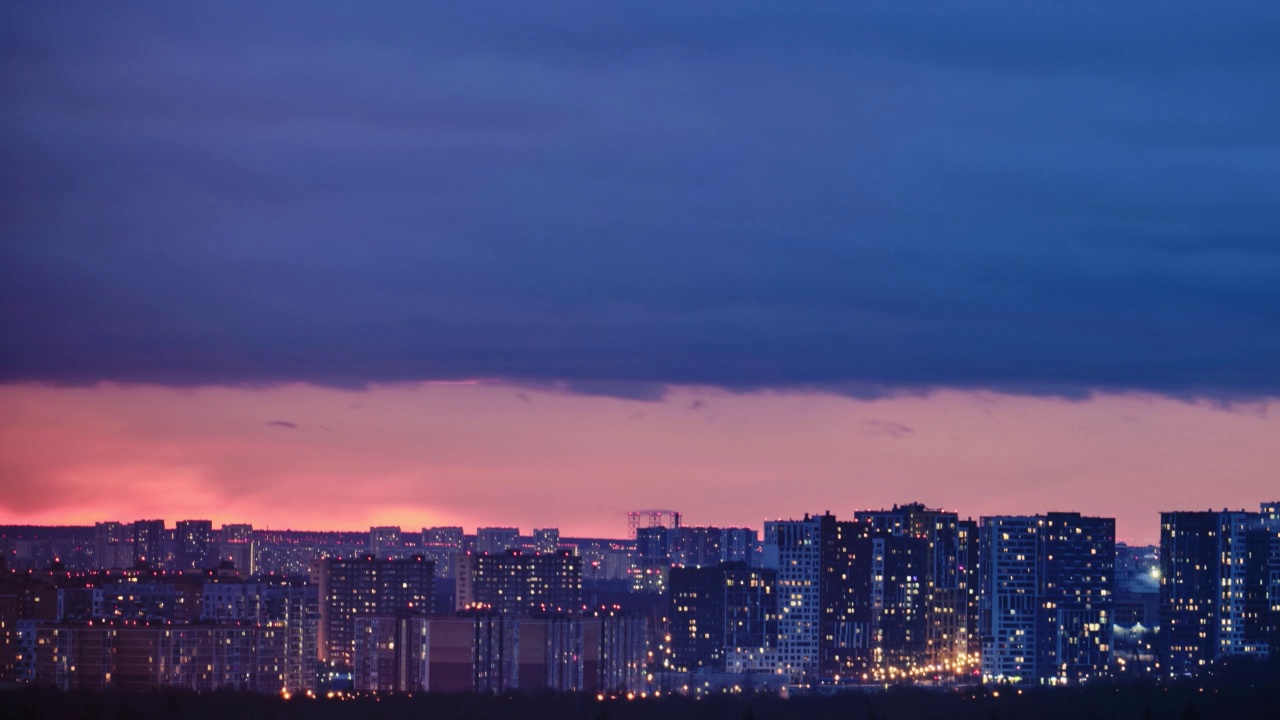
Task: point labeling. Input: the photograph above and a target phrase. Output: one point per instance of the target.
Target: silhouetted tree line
(1249, 694)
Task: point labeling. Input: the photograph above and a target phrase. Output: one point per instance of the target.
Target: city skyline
(908, 595)
(577, 353)
(512, 263)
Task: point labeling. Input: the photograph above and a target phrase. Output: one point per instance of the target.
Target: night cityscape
(907, 595)
(569, 359)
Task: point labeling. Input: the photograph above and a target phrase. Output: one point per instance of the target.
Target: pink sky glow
(489, 454)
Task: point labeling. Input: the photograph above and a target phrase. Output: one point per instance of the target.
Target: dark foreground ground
(1243, 699)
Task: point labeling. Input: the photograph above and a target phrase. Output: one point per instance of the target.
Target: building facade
(148, 543)
(1047, 593)
(385, 542)
(1214, 571)
(546, 540)
(497, 540)
(442, 545)
(515, 582)
(792, 548)
(112, 545)
(353, 588)
(718, 611)
(740, 545)
(496, 653)
(141, 658)
(697, 546)
(196, 546)
(292, 608)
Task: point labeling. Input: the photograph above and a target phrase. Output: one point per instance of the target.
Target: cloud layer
(868, 198)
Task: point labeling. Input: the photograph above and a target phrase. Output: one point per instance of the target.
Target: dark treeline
(1252, 695)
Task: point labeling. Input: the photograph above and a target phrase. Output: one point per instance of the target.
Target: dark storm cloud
(867, 198)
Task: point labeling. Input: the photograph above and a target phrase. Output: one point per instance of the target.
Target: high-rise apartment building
(696, 614)
(719, 613)
(497, 540)
(1214, 573)
(546, 540)
(853, 594)
(141, 658)
(874, 598)
(923, 584)
(112, 545)
(654, 544)
(652, 559)
(239, 548)
(902, 543)
(739, 545)
(1271, 514)
(1010, 582)
(968, 558)
(1047, 594)
(697, 546)
(855, 567)
(291, 608)
(496, 653)
(1271, 519)
(442, 545)
(22, 598)
(385, 542)
(237, 533)
(148, 543)
(926, 586)
(516, 582)
(368, 586)
(195, 545)
(1078, 591)
(242, 556)
(793, 549)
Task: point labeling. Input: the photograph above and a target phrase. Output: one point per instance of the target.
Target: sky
(542, 263)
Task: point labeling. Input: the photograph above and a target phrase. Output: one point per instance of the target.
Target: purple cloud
(870, 199)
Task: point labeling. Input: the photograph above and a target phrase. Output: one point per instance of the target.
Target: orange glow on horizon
(486, 454)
